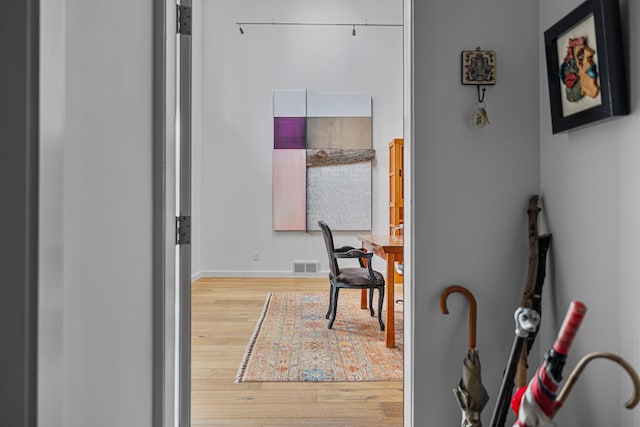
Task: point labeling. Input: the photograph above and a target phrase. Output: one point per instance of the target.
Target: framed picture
(585, 66)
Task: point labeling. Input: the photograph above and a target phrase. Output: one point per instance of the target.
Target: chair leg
(334, 307)
(371, 301)
(380, 301)
(330, 301)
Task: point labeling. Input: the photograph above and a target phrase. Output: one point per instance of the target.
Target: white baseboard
(276, 274)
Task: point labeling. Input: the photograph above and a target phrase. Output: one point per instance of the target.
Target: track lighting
(273, 23)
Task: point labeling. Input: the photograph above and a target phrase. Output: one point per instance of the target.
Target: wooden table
(390, 249)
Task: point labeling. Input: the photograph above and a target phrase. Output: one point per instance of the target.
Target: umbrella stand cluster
(536, 404)
(470, 393)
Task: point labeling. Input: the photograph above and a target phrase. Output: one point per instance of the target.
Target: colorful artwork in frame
(324, 144)
(585, 66)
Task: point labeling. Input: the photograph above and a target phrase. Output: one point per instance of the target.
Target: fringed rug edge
(252, 341)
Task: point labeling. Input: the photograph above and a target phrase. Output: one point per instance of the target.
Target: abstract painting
(332, 133)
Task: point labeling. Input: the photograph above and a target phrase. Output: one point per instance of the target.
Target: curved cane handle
(472, 310)
(573, 377)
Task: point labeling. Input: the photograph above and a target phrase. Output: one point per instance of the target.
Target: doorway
(238, 187)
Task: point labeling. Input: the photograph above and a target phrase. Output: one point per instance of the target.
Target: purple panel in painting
(289, 132)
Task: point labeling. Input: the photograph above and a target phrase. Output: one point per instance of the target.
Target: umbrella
(527, 322)
(470, 393)
(535, 404)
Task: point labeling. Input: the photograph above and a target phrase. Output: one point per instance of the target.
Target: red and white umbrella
(536, 403)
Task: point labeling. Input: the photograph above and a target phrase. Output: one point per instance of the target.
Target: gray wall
(97, 218)
(589, 179)
(471, 191)
(107, 214)
(51, 220)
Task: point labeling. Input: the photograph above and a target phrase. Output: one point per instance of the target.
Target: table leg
(390, 337)
(364, 301)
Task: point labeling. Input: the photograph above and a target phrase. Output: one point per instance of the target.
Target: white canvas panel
(339, 195)
(338, 105)
(289, 103)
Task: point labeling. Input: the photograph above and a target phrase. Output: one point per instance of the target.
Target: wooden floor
(224, 313)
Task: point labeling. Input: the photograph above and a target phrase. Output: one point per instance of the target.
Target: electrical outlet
(256, 256)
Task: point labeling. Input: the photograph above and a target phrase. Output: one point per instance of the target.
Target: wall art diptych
(324, 144)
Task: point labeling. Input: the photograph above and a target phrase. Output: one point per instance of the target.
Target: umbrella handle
(472, 310)
(573, 377)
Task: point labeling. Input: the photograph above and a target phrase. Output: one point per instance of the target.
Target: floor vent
(306, 267)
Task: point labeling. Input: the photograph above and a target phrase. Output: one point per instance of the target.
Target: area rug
(291, 342)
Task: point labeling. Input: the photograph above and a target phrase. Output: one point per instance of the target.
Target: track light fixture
(315, 24)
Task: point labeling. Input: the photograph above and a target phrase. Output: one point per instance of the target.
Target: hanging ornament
(478, 118)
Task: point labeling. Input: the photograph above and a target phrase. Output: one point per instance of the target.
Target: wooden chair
(363, 277)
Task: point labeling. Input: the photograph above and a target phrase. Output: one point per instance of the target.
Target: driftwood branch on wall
(328, 156)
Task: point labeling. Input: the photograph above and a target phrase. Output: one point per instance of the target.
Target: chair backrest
(328, 243)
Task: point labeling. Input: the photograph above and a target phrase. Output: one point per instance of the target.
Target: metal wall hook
(480, 98)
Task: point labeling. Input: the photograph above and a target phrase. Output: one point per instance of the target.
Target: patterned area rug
(291, 342)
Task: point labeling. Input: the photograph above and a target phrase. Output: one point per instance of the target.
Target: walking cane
(573, 377)
(527, 316)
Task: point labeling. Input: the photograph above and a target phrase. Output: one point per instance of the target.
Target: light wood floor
(224, 313)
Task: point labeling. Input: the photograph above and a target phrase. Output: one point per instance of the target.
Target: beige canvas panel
(339, 132)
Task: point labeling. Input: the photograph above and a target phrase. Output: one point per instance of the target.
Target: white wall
(589, 179)
(471, 192)
(239, 74)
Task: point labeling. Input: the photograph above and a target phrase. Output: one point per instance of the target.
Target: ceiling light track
(314, 24)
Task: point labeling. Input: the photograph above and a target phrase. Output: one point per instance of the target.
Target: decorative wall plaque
(478, 67)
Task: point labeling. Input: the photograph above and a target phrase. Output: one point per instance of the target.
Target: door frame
(408, 291)
(165, 398)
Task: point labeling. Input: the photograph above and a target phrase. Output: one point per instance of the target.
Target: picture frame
(585, 66)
